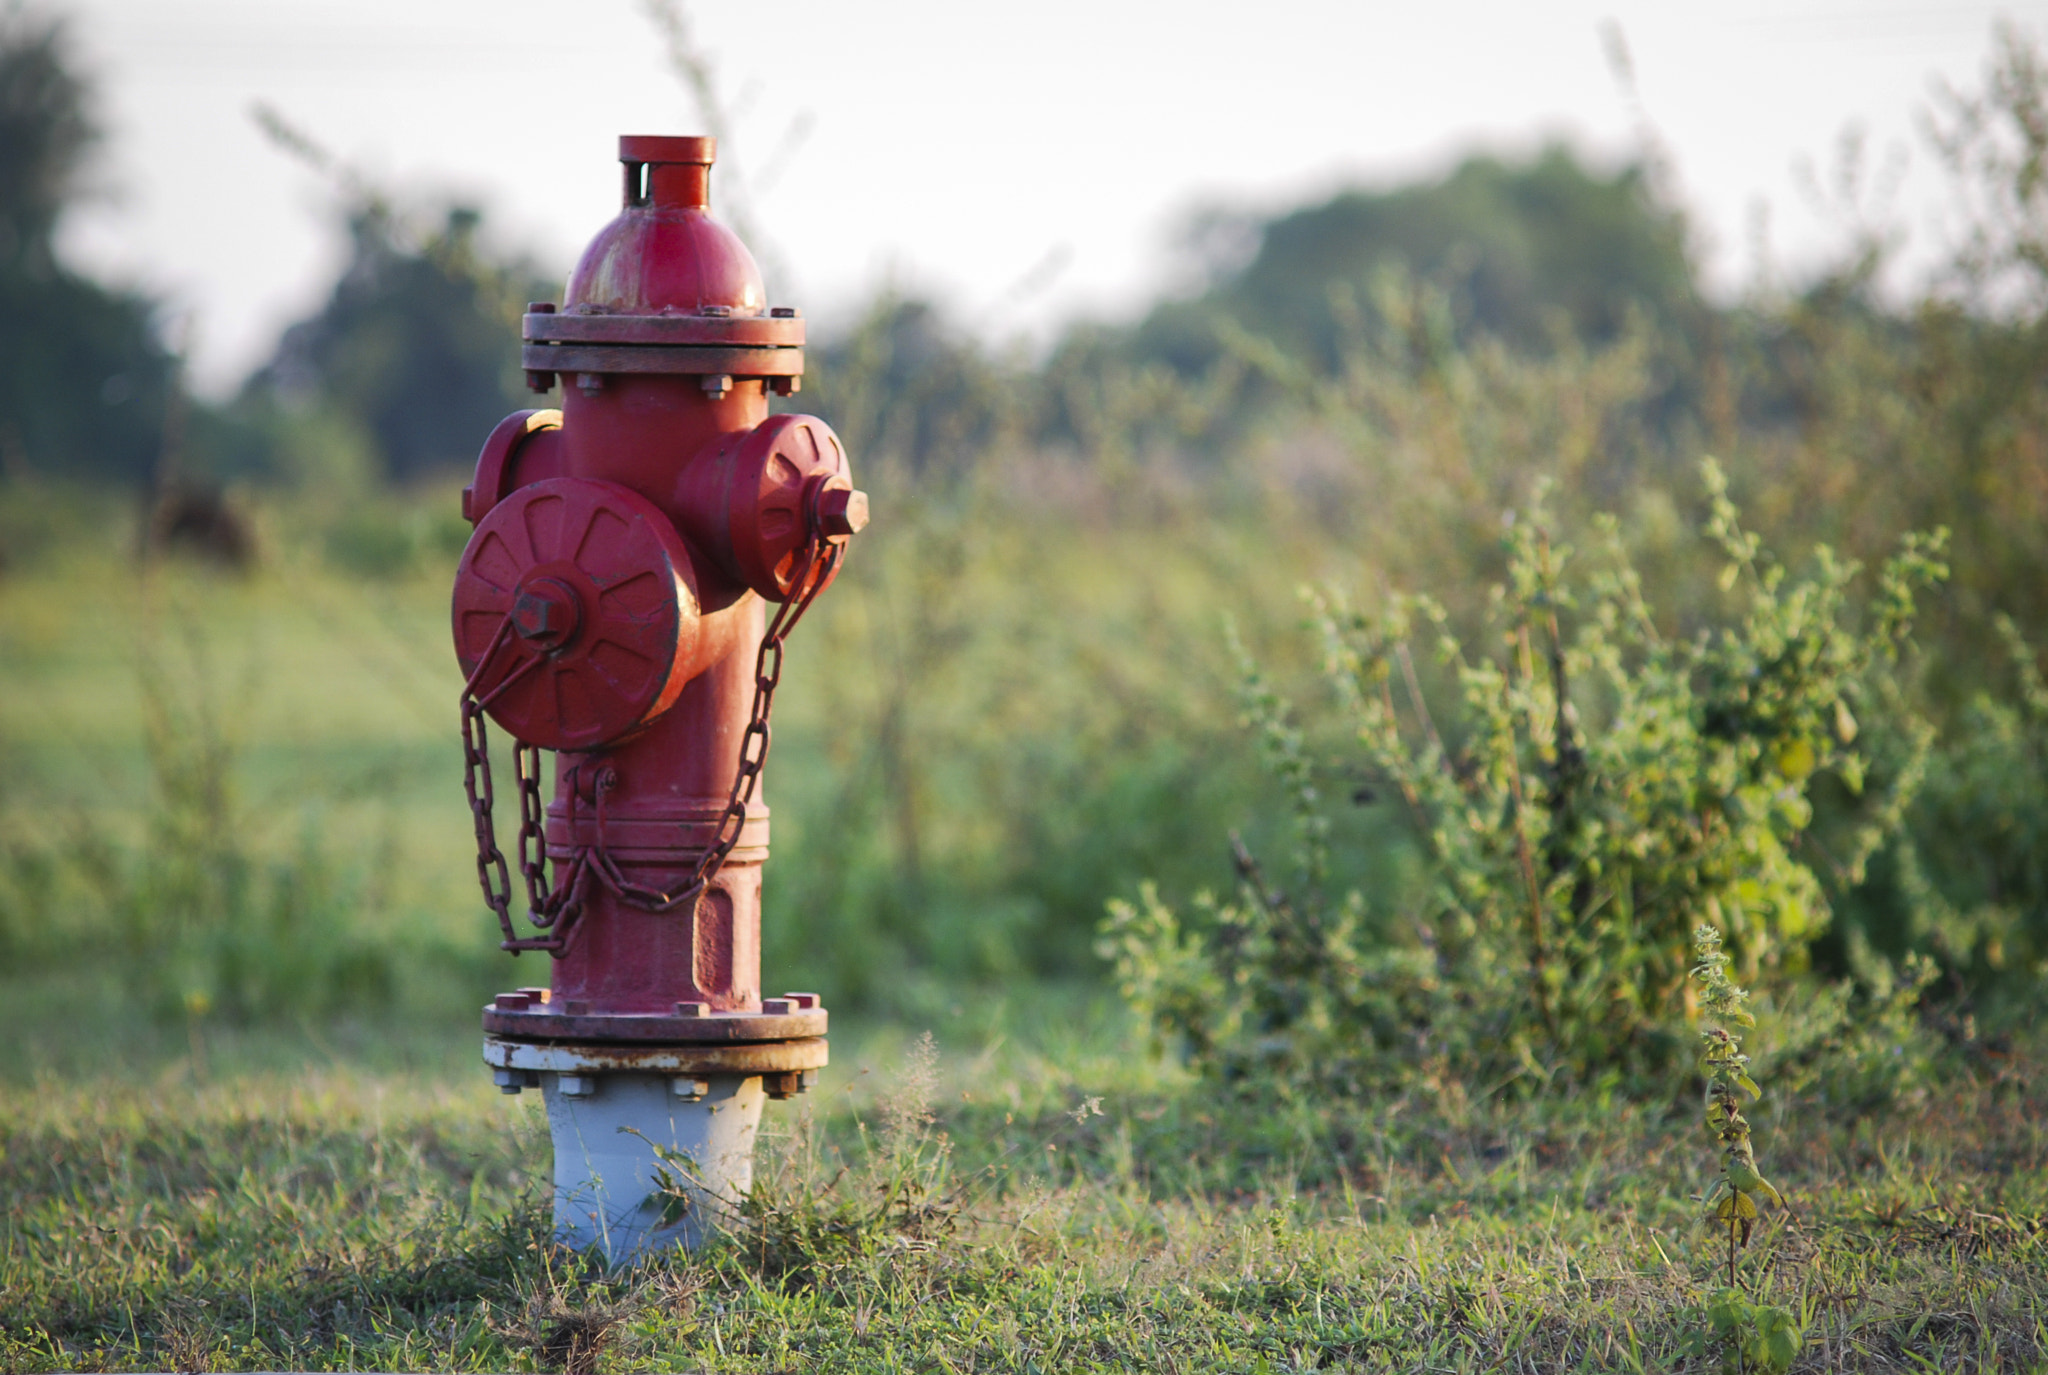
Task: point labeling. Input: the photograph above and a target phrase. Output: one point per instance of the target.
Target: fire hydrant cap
(668, 148)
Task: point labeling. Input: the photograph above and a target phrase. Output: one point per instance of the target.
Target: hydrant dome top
(665, 254)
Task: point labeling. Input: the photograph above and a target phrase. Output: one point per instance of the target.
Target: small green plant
(1760, 1336)
(1751, 1336)
(1726, 1069)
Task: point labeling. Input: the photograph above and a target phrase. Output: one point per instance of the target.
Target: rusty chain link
(554, 909)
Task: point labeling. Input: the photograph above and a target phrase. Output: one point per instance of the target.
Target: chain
(819, 560)
(491, 875)
(554, 909)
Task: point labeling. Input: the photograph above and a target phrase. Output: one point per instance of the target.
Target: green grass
(279, 1200)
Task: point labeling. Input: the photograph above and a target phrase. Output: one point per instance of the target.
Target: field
(1300, 765)
(369, 1202)
(221, 1153)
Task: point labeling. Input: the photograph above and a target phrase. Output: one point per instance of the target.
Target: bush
(1599, 785)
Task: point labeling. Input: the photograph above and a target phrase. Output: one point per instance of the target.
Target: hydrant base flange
(551, 1022)
(744, 1057)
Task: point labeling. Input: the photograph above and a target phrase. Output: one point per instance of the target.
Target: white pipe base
(642, 1167)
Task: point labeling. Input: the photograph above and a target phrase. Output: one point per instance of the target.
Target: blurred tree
(1525, 251)
(912, 395)
(418, 345)
(84, 378)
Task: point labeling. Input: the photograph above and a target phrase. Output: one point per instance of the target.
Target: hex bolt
(687, 1088)
(803, 1002)
(786, 386)
(576, 1085)
(842, 512)
(537, 381)
(777, 1007)
(788, 1083)
(546, 612)
(591, 383)
(509, 1080)
(531, 615)
(717, 384)
(693, 1009)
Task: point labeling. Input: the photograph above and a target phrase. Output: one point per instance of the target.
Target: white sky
(1025, 163)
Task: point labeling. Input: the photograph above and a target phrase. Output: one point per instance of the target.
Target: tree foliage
(1528, 252)
(417, 345)
(84, 379)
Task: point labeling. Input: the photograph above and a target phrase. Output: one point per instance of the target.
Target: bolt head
(545, 612)
(842, 512)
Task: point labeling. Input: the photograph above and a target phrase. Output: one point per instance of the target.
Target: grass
(1050, 1204)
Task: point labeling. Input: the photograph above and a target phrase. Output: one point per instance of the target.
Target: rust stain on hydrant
(638, 558)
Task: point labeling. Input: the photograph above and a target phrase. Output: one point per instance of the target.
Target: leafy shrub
(1600, 786)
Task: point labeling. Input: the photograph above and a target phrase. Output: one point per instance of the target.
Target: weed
(805, 1227)
(1760, 1335)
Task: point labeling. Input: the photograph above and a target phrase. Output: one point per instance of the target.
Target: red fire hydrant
(638, 558)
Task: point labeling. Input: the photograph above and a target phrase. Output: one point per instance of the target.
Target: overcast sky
(1024, 163)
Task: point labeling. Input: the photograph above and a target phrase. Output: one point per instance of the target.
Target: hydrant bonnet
(665, 253)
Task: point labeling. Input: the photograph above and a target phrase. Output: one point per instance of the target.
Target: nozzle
(671, 172)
